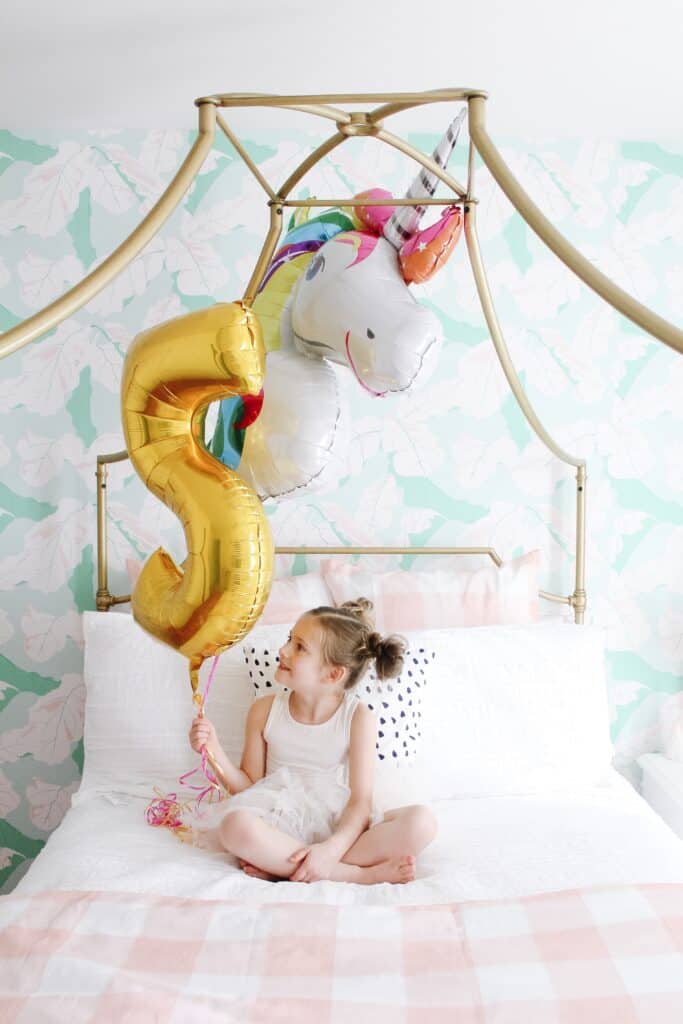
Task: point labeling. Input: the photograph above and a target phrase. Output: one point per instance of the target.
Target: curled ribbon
(167, 811)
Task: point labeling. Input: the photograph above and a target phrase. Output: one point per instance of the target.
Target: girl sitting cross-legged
(302, 803)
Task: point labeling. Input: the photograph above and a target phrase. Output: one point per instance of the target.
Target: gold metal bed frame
(350, 124)
(105, 599)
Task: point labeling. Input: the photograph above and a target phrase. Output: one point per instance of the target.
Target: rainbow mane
(302, 240)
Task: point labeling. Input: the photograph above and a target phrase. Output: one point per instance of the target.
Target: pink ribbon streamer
(166, 810)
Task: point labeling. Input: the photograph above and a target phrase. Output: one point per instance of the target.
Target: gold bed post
(578, 598)
(104, 600)
(579, 595)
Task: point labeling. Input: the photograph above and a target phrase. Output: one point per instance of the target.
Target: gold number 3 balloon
(170, 375)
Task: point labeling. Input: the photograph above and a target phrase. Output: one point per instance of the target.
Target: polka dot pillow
(262, 661)
(397, 703)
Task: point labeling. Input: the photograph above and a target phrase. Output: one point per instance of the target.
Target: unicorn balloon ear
(403, 225)
(372, 218)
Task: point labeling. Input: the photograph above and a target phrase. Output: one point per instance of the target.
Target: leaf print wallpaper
(454, 463)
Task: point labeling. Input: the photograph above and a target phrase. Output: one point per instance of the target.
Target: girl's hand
(203, 732)
(315, 862)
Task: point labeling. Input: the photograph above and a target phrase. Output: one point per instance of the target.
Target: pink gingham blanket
(602, 955)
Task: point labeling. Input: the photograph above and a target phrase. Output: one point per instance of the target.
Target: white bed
(487, 848)
(514, 758)
(553, 894)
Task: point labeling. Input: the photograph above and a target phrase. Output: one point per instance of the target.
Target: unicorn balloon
(337, 291)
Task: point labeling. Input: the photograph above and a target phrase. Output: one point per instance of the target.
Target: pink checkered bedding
(599, 955)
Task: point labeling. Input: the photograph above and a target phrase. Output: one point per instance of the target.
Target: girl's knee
(236, 828)
(422, 825)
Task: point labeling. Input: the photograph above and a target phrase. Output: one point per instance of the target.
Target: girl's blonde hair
(348, 638)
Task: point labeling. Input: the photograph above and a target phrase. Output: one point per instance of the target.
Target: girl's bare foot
(396, 869)
(254, 872)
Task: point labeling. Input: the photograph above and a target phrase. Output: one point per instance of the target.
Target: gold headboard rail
(105, 600)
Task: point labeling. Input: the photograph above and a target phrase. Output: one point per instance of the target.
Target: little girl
(302, 799)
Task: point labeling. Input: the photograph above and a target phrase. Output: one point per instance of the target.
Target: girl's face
(301, 665)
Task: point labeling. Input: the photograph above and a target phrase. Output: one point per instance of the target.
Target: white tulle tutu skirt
(305, 805)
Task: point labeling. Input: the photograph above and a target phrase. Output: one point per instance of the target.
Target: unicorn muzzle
(405, 362)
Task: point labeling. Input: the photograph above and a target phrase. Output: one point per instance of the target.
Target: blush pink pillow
(489, 596)
(292, 596)
(288, 599)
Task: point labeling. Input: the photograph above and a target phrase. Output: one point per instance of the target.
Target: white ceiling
(591, 68)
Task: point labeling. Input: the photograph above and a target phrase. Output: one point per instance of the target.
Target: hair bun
(360, 608)
(388, 654)
(375, 644)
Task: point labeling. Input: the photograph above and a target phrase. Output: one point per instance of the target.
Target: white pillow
(512, 710)
(139, 708)
(508, 709)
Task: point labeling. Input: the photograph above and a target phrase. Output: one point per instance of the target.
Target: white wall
(592, 68)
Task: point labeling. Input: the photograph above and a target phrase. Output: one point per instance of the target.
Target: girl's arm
(253, 764)
(356, 816)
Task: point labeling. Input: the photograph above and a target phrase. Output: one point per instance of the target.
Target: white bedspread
(487, 848)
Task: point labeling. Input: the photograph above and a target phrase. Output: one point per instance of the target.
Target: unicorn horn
(405, 220)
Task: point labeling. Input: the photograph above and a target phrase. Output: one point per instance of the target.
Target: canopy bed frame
(350, 124)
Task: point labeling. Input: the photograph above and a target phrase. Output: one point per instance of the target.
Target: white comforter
(487, 848)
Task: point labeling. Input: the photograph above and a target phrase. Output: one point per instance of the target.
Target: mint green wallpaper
(454, 463)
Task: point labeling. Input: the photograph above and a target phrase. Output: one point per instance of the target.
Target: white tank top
(309, 748)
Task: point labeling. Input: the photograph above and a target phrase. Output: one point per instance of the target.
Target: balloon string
(214, 785)
(166, 811)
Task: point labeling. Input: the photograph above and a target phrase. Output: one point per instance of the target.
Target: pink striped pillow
(489, 596)
(292, 596)
(288, 599)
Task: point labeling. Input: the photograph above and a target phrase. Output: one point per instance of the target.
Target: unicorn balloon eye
(370, 334)
(317, 264)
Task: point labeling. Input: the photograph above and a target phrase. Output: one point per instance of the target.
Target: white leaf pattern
(52, 548)
(198, 265)
(51, 193)
(44, 279)
(55, 723)
(132, 282)
(6, 856)
(45, 634)
(42, 458)
(48, 803)
(9, 798)
(6, 627)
